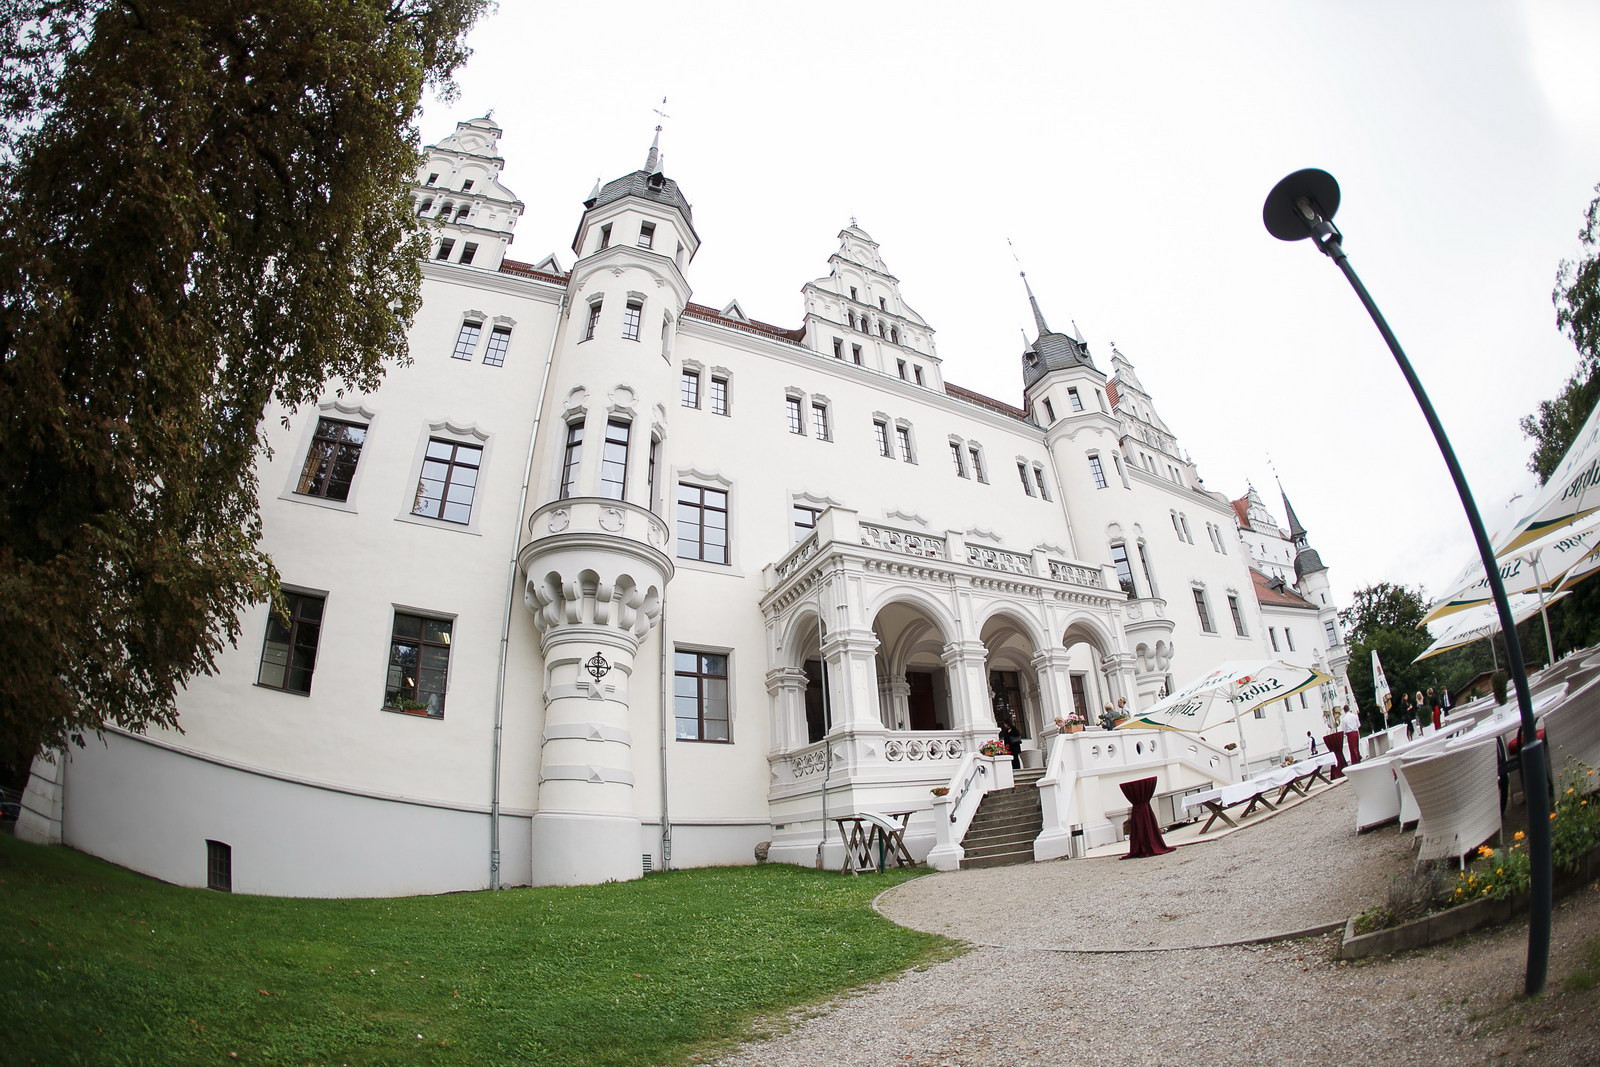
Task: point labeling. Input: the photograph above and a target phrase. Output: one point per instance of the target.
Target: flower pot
(1075, 728)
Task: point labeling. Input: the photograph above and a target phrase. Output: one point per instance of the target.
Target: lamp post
(1303, 205)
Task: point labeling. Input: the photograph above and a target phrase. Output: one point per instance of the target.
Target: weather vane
(662, 112)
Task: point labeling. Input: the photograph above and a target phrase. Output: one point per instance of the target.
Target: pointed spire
(1038, 316)
(594, 194)
(652, 159)
(1077, 333)
(1297, 533)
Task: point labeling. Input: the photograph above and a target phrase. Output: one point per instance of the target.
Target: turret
(459, 194)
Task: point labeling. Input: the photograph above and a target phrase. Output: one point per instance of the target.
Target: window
(700, 695)
(433, 178)
(881, 430)
(853, 295)
(851, 316)
(419, 664)
(461, 212)
(959, 458)
(1097, 472)
(647, 234)
(466, 186)
(977, 463)
(1049, 411)
(1119, 560)
(894, 334)
(802, 521)
(445, 247)
(569, 461)
(422, 208)
(605, 236)
(219, 857)
(1331, 632)
(1187, 536)
(1204, 611)
(902, 434)
(838, 348)
(883, 303)
(1022, 472)
(916, 372)
(1074, 399)
(719, 395)
(855, 354)
(331, 460)
(632, 312)
(467, 340)
(792, 406)
(1122, 475)
(1288, 637)
(689, 388)
(702, 523)
(499, 341)
(448, 481)
(1272, 632)
(902, 365)
(1038, 477)
(614, 461)
(650, 478)
(1144, 564)
(594, 321)
(819, 420)
(289, 653)
(469, 252)
(1238, 615)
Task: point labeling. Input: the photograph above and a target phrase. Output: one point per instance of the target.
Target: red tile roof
(1111, 392)
(1267, 596)
(1241, 508)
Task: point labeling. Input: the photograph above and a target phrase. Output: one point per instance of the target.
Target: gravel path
(1075, 980)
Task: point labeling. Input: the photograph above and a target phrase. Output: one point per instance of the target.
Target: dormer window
(647, 234)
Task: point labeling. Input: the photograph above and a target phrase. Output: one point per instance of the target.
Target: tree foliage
(203, 211)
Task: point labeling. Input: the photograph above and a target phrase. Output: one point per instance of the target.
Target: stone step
(1006, 842)
(1010, 859)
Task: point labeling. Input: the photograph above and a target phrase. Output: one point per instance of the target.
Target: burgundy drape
(1335, 744)
(1144, 839)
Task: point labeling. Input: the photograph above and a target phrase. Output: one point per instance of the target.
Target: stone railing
(998, 559)
(797, 556)
(1077, 574)
(909, 544)
(931, 747)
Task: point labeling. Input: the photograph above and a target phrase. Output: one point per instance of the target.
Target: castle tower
(598, 558)
(459, 194)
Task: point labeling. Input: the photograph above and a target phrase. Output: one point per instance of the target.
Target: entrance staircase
(1006, 823)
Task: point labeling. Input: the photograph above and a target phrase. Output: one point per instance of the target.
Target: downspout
(511, 603)
(827, 725)
(666, 738)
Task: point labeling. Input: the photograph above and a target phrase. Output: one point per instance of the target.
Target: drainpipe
(827, 726)
(511, 603)
(666, 737)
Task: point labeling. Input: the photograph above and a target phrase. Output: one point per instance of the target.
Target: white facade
(564, 588)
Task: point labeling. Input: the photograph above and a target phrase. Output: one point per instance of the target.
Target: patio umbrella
(1380, 688)
(1230, 691)
(1474, 624)
(1571, 492)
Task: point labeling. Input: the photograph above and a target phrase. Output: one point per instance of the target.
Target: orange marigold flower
(1485, 851)
(1517, 836)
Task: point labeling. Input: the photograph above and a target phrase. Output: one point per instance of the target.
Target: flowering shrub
(1499, 874)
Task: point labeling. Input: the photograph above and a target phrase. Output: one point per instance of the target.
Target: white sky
(1126, 150)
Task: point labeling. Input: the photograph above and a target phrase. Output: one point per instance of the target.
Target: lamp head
(1301, 204)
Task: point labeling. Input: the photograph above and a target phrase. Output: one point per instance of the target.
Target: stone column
(1051, 667)
(965, 665)
(787, 687)
(896, 696)
(853, 679)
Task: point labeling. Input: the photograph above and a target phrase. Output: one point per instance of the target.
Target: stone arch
(1012, 641)
(914, 686)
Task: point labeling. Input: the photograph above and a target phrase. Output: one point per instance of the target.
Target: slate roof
(657, 188)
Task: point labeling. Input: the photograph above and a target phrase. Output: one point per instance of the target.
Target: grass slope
(103, 966)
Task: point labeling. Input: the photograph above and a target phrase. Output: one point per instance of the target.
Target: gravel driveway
(1093, 962)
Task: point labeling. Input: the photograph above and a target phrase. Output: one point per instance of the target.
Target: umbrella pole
(1538, 580)
(1244, 751)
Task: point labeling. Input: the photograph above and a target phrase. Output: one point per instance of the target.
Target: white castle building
(607, 580)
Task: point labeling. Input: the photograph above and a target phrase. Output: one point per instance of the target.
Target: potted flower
(994, 748)
(940, 790)
(1072, 724)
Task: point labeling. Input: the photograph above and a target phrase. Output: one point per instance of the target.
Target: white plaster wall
(152, 808)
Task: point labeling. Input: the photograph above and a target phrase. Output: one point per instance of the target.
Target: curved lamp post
(1300, 206)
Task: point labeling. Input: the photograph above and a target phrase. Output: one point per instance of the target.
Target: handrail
(955, 805)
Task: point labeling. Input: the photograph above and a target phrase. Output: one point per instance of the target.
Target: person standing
(1013, 741)
(1350, 726)
(1407, 716)
(1435, 707)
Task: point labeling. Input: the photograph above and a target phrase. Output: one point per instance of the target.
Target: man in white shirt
(1350, 726)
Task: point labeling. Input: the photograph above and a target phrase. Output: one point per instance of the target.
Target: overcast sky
(1125, 150)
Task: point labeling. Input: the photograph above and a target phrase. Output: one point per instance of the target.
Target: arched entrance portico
(1012, 667)
(914, 690)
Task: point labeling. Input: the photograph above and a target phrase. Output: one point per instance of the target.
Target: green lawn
(103, 966)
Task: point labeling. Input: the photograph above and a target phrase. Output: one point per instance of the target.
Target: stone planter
(1453, 922)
